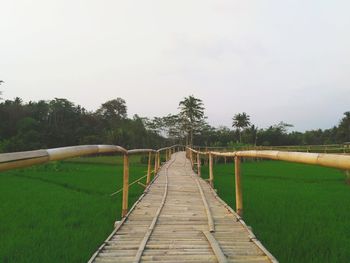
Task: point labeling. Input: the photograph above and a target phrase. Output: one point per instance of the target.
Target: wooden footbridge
(179, 217)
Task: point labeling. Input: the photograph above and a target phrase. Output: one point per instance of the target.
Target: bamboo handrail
(338, 161)
(15, 160)
(22, 159)
(135, 151)
(323, 159)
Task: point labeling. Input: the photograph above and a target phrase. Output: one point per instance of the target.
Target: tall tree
(113, 109)
(191, 115)
(241, 121)
(343, 133)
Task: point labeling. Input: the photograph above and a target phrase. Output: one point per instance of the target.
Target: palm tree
(241, 121)
(191, 115)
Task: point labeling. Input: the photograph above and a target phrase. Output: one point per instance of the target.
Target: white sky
(276, 60)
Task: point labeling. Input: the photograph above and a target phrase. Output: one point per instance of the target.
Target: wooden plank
(211, 224)
(151, 227)
(215, 246)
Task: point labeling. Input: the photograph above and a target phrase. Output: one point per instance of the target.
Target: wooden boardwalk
(179, 218)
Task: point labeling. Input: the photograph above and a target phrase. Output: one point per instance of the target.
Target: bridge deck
(179, 218)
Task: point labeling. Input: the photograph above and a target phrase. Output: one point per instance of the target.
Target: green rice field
(301, 213)
(63, 211)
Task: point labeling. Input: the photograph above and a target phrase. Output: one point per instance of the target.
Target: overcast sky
(276, 60)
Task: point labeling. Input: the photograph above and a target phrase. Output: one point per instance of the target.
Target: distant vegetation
(59, 122)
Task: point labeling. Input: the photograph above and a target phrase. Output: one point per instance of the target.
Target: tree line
(60, 122)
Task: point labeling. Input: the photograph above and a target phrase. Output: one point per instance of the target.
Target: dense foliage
(59, 122)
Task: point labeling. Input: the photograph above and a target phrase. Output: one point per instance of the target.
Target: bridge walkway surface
(180, 218)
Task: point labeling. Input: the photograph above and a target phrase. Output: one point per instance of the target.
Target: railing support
(158, 160)
(155, 164)
(125, 185)
(211, 174)
(148, 180)
(239, 198)
(191, 158)
(198, 165)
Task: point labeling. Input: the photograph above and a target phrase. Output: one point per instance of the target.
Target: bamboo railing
(339, 161)
(328, 148)
(16, 160)
(23, 159)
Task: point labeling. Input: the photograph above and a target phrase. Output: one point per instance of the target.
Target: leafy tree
(275, 135)
(113, 110)
(191, 116)
(240, 121)
(343, 132)
(250, 135)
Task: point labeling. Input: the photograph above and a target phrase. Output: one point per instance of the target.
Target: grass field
(61, 212)
(301, 213)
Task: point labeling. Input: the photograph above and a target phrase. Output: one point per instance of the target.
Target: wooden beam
(143, 185)
(155, 165)
(148, 180)
(198, 165)
(158, 160)
(125, 185)
(239, 198)
(211, 174)
(150, 229)
(215, 247)
(211, 224)
(191, 158)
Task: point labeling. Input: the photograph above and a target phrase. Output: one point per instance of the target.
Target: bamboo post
(211, 174)
(155, 164)
(191, 158)
(239, 200)
(198, 165)
(149, 169)
(166, 155)
(125, 185)
(158, 160)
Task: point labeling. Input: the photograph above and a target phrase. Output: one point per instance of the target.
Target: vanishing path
(180, 218)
